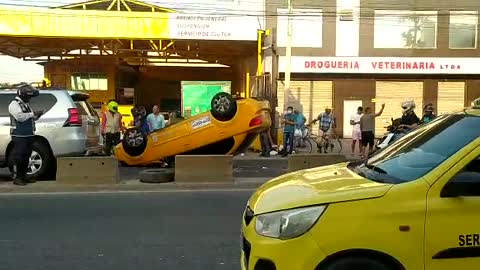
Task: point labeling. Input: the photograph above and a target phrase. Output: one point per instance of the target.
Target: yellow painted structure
(99, 36)
(41, 22)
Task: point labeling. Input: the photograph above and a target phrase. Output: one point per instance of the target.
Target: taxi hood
(329, 184)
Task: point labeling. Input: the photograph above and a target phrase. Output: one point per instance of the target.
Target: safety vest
(22, 129)
(112, 124)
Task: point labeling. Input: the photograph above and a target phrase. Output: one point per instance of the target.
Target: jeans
(111, 140)
(287, 142)
(265, 142)
(22, 150)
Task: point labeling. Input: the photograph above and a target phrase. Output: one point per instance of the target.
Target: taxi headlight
(288, 224)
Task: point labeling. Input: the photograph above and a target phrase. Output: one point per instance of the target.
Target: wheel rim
(134, 138)
(35, 163)
(221, 104)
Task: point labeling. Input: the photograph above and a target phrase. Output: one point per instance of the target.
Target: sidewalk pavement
(250, 183)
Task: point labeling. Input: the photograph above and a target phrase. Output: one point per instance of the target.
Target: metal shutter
(311, 97)
(393, 94)
(451, 97)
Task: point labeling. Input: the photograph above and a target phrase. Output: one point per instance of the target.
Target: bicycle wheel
(302, 146)
(336, 145)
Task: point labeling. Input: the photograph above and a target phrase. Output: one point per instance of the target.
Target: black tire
(224, 106)
(134, 142)
(337, 146)
(307, 149)
(157, 176)
(355, 263)
(45, 167)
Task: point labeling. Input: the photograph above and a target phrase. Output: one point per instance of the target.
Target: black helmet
(25, 92)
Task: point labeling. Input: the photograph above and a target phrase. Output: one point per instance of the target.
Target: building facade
(347, 54)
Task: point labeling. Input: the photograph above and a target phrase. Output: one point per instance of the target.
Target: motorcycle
(394, 132)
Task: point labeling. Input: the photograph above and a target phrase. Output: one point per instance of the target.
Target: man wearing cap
(325, 128)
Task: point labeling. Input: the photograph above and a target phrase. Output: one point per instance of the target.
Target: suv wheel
(41, 161)
(224, 106)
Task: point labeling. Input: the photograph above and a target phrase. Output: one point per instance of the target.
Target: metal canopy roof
(117, 5)
(132, 50)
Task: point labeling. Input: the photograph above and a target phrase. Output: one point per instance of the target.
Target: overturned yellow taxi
(229, 127)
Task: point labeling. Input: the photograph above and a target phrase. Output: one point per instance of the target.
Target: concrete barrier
(204, 169)
(306, 161)
(87, 170)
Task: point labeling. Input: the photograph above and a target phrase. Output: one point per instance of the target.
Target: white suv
(68, 127)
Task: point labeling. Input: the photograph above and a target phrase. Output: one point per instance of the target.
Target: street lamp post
(288, 54)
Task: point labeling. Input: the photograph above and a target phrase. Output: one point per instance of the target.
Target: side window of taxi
(465, 183)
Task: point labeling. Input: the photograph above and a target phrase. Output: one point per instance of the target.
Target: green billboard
(197, 95)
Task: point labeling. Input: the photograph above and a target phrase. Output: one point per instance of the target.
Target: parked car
(229, 127)
(68, 127)
(412, 205)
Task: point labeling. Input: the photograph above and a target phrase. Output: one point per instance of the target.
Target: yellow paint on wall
(41, 22)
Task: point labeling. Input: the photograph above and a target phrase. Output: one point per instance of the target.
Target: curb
(131, 186)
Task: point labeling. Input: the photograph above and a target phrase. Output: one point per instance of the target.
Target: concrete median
(204, 169)
(87, 170)
(306, 161)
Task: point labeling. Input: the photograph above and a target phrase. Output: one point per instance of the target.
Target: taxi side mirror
(464, 184)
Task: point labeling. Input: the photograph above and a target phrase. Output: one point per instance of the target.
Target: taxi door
(452, 230)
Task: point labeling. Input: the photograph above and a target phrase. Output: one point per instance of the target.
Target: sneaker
(19, 182)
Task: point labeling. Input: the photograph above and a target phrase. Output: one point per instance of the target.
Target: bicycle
(303, 144)
(327, 144)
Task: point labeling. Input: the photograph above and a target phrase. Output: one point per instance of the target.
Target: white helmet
(408, 106)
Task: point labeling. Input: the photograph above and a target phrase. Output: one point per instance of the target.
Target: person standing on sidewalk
(111, 126)
(356, 132)
(156, 120)
(22, 122)
(367, 126)
(288, 131)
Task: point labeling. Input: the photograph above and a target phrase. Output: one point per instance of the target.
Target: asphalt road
(122, 231)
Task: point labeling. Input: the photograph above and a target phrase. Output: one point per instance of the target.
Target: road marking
(123, 192)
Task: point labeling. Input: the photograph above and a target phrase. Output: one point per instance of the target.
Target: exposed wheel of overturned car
(224, 106)
(134, 142)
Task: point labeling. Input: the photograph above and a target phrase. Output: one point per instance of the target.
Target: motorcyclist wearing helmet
(22, 122)
(111, 126)
(409, 119)
(428, 114)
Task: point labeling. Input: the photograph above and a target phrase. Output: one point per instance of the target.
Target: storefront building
(134, 51)
(347, 54)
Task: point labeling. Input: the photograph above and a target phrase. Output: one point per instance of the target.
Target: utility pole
(288, 53)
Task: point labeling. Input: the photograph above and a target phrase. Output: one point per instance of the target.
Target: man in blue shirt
(288, 131)
(155, 120)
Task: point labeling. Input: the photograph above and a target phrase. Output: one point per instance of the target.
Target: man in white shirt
(357, 132)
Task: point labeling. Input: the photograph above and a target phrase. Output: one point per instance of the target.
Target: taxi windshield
(422, 150)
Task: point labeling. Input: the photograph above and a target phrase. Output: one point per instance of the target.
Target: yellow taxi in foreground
(230, 126)
(413, 205)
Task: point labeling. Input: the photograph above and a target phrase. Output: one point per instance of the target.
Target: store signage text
(378, 65)
(212, 27)
(387, 65)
